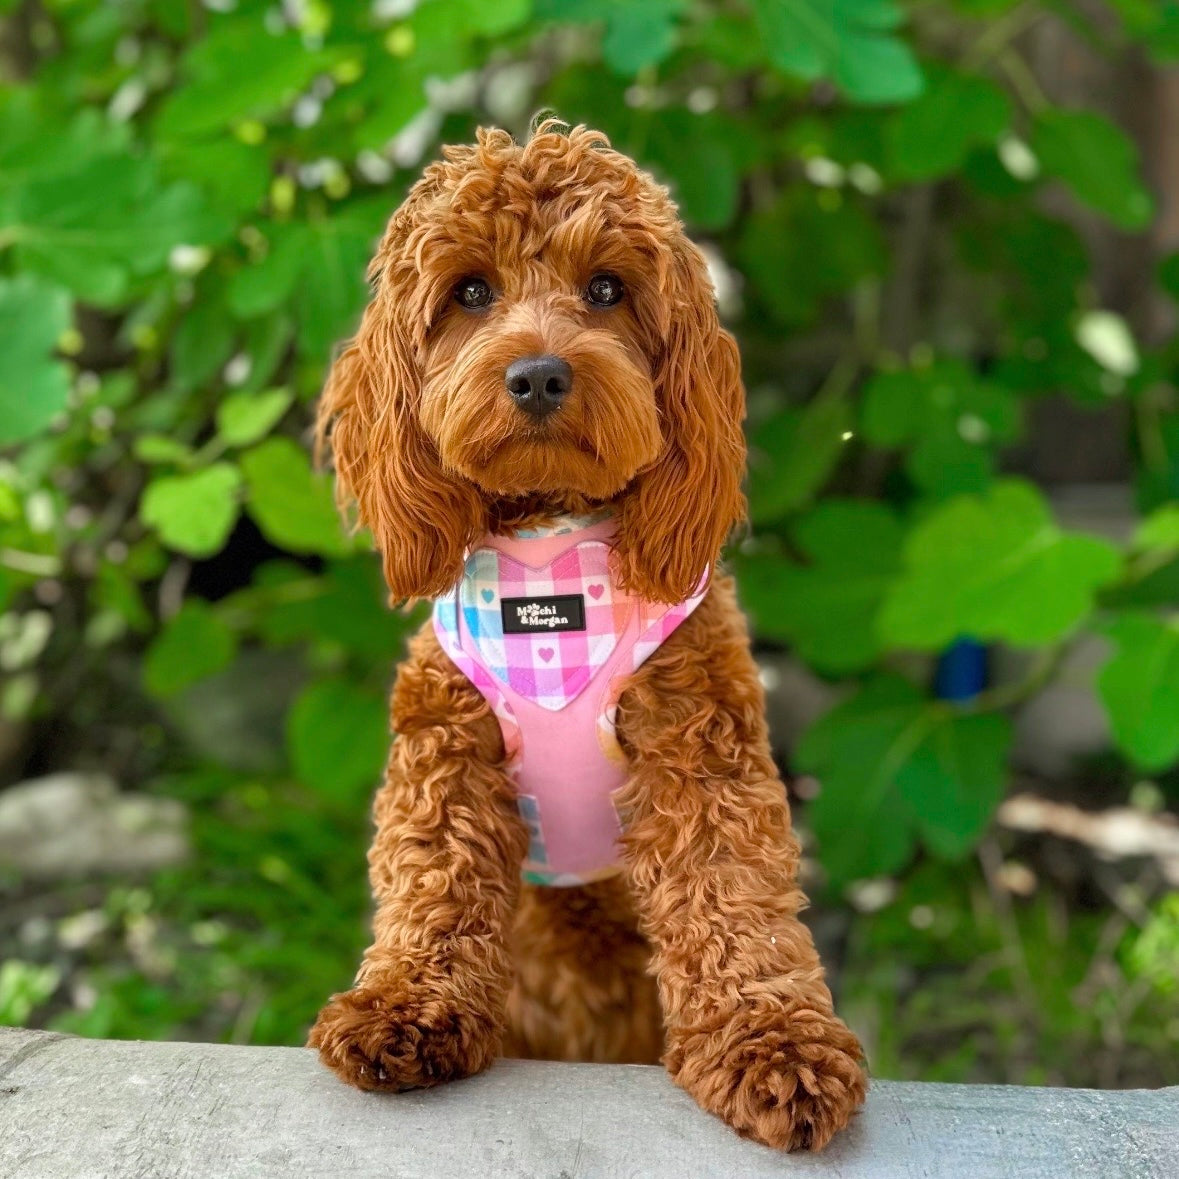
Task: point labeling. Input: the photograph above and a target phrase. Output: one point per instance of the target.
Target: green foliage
(994, 567)
(1154, 953)
(1097, 161)
(851, 41)
(937, 132)
(293, 507)
(896, 768)
(949, 421)
(337, 735)
(1140, 689)
(189, 199)
(194, 644)
(793, 454)
(33, 386)
(23, 987)
(194, 513)
(827, 606)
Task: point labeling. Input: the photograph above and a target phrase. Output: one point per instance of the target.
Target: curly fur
(695, 953)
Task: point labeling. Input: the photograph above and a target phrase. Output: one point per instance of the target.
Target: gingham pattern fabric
(550, 668)
(528, 678)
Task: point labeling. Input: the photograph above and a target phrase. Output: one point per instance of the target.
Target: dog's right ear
(422, 521)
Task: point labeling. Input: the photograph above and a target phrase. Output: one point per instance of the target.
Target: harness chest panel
(538, 624)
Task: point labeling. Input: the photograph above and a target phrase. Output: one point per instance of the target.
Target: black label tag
(526, 616)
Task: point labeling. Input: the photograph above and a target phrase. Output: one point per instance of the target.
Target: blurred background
(944, 232)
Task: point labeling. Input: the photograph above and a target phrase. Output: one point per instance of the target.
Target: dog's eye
(472, 293)
(604, 290)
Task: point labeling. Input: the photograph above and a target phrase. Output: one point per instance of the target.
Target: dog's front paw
(385, 1039)
(788, 1078)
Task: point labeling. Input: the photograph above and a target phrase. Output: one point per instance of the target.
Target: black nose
(538, 384)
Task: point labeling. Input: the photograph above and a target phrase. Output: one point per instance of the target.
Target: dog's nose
(538, 384)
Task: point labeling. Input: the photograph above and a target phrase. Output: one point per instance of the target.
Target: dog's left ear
(677, 515)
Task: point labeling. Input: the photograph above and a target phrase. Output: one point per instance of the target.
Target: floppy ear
(422, 521)
(675, 518)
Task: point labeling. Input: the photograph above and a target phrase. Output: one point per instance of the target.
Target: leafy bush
(188, 199)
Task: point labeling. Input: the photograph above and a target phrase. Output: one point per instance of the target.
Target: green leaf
(244, 418)
(1098, 161)
(255, 290)
(636, 35)
(495, 19)
(194, 644)
(38, 139)
(234, 176)
(698, 157)
(347, 605)
(240, 70)
(955, 780)
(793, 454)
(293, 507)
(193, 513)
(93, 229)
(332, 289)
(994, 567)
(827, 608)
(1139, 687)
(115, 589)
(1160, 530)
(850, 41)
(338, 737)
(34, 387)
(950, 419)
(1156, 22)
(933, 135)
(798, 251)
(641, 35)
(159, 448)
(1168, 275)
(202, 343)
(894, 767)
(265, 341)
(24, 986)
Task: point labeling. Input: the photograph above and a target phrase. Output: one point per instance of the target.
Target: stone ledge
(73, 1108)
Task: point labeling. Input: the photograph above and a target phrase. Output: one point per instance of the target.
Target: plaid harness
(539, 626)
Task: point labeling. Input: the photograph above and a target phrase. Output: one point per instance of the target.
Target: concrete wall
(72, 1108)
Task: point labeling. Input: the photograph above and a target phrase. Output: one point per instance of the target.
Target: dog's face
(541, 334)
(537, 371)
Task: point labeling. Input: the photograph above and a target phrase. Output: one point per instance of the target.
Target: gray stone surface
(80, 824)
(71, 1108)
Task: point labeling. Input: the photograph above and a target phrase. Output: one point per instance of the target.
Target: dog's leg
(582, 990)
(751, 1033)
(429, 999)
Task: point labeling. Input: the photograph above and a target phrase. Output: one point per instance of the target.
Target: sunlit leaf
(994, 566)
(193, 513)
(244, 418)
(293, 507)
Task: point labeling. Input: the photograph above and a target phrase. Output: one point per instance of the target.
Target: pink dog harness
(539, 626)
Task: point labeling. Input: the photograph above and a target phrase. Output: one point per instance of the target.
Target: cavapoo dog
(583, 848)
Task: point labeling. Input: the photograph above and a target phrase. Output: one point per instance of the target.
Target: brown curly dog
(561, 250)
